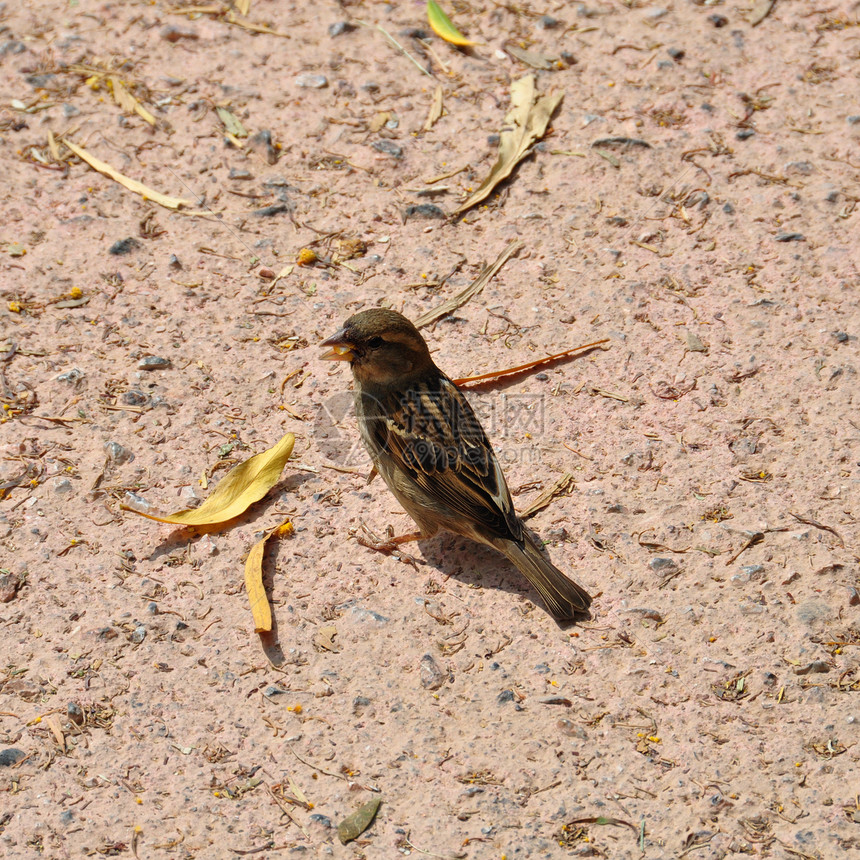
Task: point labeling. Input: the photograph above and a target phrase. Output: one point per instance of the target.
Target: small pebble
(718, 20)
(240, 174)
(309, 81)
(153, 362)
(854, 120)
(137, 503)
(11, 756)
(389, 147)
(505, 696)
(9, 585)
(424, 210)
(547, 22)
(275, 209)
(745, 134)
(431, 673)
(652, 614)
(75, 714)
(124, 246)
(790, 237)
(816, 666)
(62, 486)
(12, 47)
(340, 28)
(676, 54)
(133, 397)
(571, 729)
(174, 262)
(265, 273)
(662, 565)
(261, 143)
(118, 454)
(321, 821)
(175, 34)
(67, 817)
(138, 635)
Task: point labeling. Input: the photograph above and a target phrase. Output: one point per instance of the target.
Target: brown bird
(429, 446)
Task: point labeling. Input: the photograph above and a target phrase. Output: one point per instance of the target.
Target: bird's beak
(341, 348)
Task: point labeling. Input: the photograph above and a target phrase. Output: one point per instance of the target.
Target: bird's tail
(563, 597)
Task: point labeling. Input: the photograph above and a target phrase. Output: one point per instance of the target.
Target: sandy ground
(709, 709)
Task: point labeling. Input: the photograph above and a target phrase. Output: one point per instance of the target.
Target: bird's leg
(390, 545)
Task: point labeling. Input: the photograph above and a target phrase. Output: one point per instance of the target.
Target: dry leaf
(436, 109)
(237, 491)
(260, 608)
(53, 723)
(441, 25)
(132, 184)
(529, 58)
(525, 123)
(231, 122)
(243, 6)
(379, 120)
(559, 487)
(354, 825)
(522, 368)
(324, 638)
(475, 287)
(127, 101)
(760, 11)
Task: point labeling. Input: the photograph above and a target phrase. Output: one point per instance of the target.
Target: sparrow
(429, 447)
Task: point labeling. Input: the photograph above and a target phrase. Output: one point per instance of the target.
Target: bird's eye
(375, 342)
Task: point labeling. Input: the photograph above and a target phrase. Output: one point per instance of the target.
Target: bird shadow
(474, 564)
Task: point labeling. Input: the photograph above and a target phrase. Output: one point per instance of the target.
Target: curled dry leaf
(525, 123)
(260, 608)
(441, 25)
(436, 109)
(237, 491)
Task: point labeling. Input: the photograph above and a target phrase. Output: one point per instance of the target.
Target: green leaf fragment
(354, 825)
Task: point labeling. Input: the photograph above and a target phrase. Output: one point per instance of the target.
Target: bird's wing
(435, 437)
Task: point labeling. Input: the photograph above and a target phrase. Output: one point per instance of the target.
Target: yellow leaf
(132, 184)
(127, 101)
(436, 109)
(260, 608)
(237, 491)
(441, 25)
(525, 123)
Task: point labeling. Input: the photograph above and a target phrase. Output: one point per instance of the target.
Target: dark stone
(124, 246)
(275, 209)
(388, 147)
(340, 28)
(133, 397)
(745, 134)
(153, 362)
(11, 756)
(424, 210)
(718, 20)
